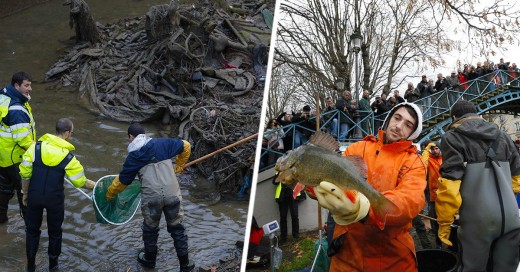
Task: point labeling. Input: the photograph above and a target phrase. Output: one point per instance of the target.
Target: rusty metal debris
(197, 68)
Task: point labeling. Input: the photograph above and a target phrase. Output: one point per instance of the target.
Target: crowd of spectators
(342, 126)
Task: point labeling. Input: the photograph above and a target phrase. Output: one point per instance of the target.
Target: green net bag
(122, 208)
(320, 256)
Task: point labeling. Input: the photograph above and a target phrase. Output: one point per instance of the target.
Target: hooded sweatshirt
(464, 143)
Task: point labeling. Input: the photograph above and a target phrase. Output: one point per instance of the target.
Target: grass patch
(299, 257)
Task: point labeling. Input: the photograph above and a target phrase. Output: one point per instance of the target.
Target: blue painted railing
(432, 106)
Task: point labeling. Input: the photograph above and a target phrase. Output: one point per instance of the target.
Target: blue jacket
(15, 117)
(17, 127)
(154, 150)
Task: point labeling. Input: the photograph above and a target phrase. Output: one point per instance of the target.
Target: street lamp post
(355, 43)
(355, 40)
(340, 84)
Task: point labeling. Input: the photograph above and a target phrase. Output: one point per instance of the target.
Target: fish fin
(351, 195)
(382, 210)
(297, 189)
(311, 190)
(359, 163)
(324, 140)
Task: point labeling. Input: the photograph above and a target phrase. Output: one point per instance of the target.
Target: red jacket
(398, 172)
(463, 79)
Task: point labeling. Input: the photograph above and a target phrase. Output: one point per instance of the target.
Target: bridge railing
(365, 122)
(441, 102)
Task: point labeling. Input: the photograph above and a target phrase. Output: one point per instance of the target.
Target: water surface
(31, 41)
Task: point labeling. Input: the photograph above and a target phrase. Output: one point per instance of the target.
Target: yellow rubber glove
(426, 153)
(444, 234)
(447, 205)
(25, 190)
(183, 157)
(115, 188)
(344, 211)
(516, 184)
(89, 184)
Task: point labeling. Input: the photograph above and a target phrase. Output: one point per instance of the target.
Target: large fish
(317, 161)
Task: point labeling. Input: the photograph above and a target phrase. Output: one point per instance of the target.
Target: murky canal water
(31, 41)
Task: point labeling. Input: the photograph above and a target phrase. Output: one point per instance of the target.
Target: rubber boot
(147, 258)
(31, 264)
(53, 263)
(187, 265)
(4, 203)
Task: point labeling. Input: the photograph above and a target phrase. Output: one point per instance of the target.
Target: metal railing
(433, 107)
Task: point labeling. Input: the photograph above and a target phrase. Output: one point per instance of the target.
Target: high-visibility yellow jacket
(17, 127)
(54, 150)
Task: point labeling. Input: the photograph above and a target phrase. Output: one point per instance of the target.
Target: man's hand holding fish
(345, 210)
(317, 161)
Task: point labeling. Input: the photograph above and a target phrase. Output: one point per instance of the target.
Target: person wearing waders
(43, 169)
(17, 133)
(151, 160)
(480, 175)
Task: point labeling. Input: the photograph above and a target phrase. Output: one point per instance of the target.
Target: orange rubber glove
(115, 188)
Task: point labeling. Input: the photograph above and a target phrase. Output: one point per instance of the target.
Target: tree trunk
(83, 22)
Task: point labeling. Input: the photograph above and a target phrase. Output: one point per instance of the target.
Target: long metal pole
(357, 131)
(220, 150)
(357, 77)
(318, 112)
(271, 253)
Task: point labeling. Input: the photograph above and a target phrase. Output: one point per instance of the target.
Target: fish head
(286, 161)
(286, 167)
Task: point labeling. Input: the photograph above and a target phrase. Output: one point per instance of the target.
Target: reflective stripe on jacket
(398, 172)
(17, 127)
(54, 150)
(278, 191)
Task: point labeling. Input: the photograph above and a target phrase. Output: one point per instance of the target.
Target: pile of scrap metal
(179, 64)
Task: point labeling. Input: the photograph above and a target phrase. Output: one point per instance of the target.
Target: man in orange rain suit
(398, 173)
(432, 158)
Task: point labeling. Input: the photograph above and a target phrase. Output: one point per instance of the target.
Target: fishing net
(122, 208)
(321, 259)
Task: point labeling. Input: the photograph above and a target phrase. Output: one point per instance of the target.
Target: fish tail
(382, 208)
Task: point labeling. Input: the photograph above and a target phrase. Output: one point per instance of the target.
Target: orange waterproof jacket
(434, 166)
(398, 172)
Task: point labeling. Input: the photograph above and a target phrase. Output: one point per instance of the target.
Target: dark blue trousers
(55, 214)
